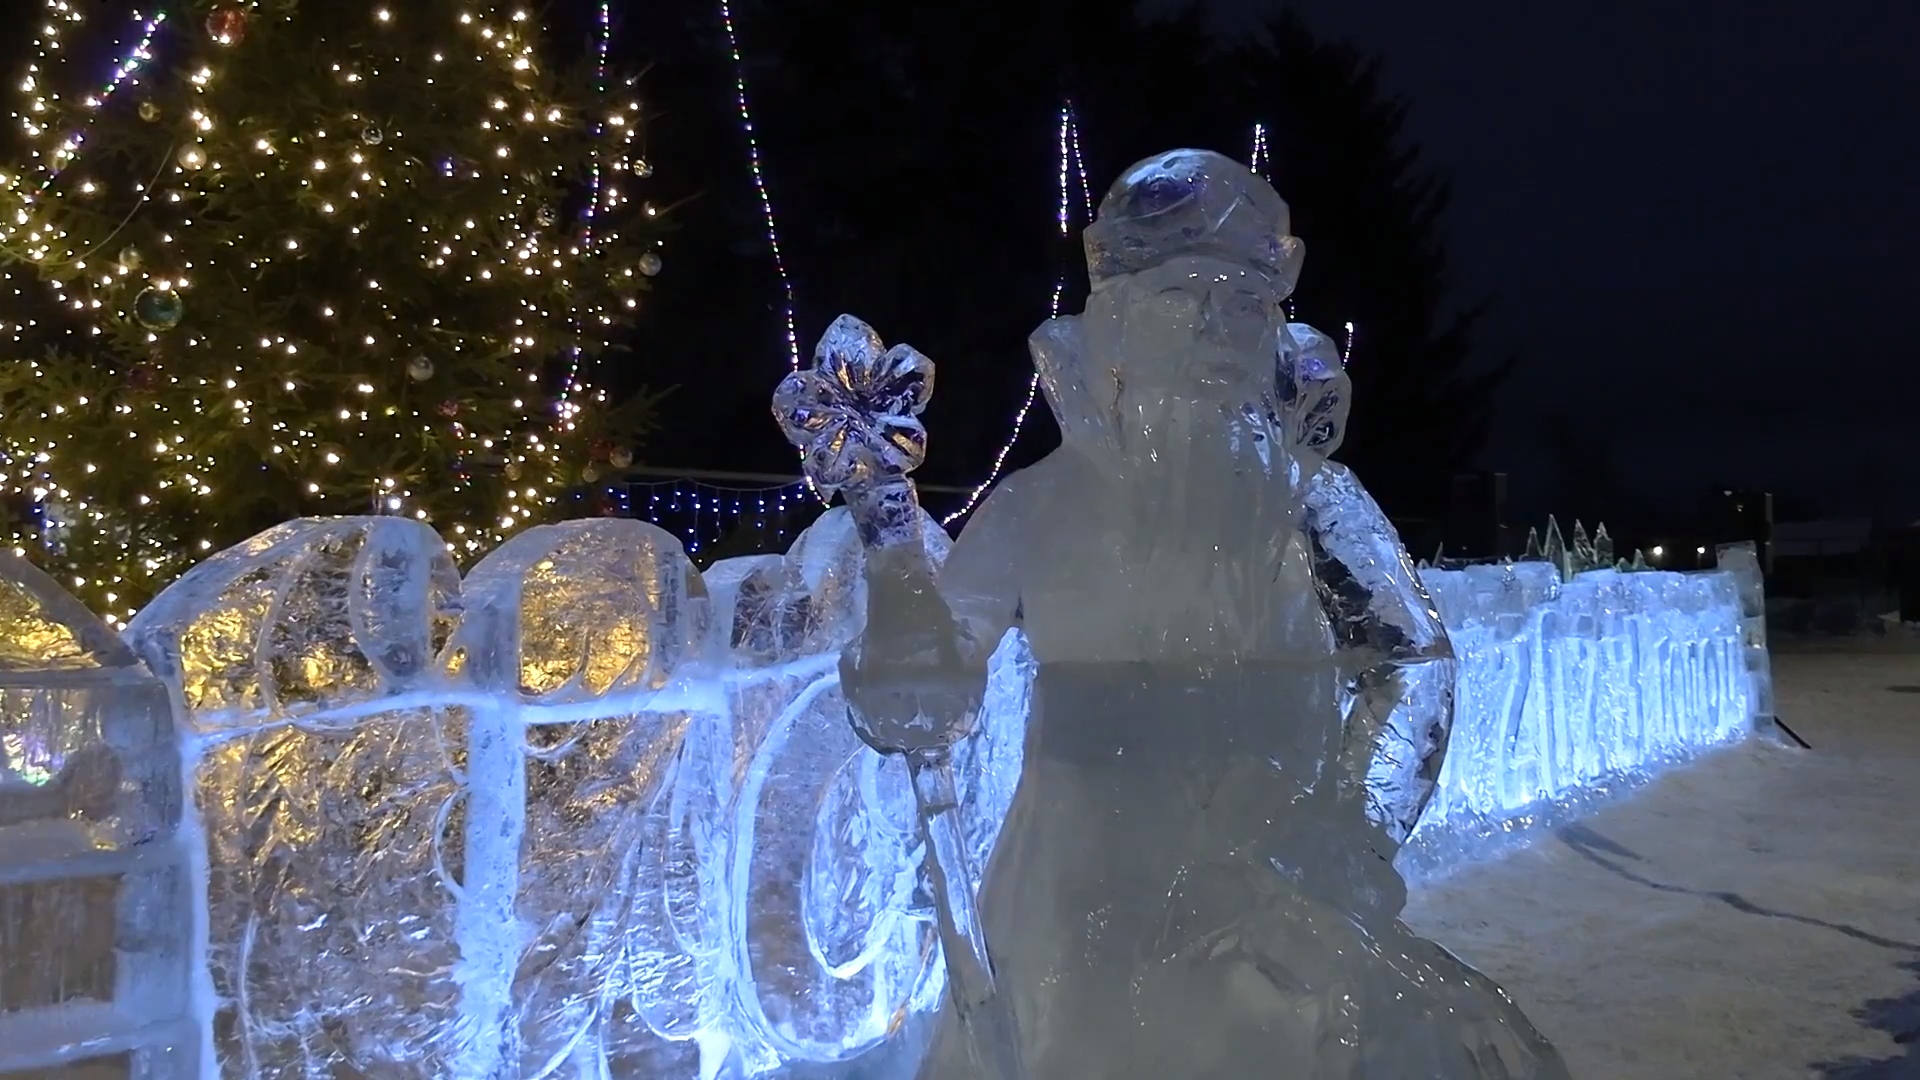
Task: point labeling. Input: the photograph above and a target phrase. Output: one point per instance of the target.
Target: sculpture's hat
(1192, 202)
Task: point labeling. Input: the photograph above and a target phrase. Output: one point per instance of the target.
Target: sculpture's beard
(1213, 473)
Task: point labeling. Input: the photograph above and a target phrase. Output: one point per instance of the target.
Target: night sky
(1697, 222)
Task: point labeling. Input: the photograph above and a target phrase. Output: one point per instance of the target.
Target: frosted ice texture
(1397, 669)
(826, 971)
(96, 886)
(1742, 561)
(1571, 693)
(308, 617)
(424, 813)
(1177, 891)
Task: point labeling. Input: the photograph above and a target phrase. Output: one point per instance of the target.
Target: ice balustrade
(1568, 693)
(591, 807)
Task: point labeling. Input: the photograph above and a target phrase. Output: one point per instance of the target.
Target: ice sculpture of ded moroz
(1195, 876)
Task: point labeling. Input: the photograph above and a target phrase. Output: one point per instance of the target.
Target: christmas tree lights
(316, 259)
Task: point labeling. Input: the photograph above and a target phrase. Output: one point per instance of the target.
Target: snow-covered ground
(1754, 916)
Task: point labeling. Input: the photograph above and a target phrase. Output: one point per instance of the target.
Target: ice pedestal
(98, 890)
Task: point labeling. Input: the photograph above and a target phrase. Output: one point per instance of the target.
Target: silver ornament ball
(419, 369)
(650, 264)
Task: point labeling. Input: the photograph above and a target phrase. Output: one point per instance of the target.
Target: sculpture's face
(1196, 328)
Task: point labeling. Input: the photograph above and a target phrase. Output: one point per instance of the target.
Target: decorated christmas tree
(291, 258)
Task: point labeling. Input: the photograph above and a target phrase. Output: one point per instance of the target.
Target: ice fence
(328, 809)
(1568, 693)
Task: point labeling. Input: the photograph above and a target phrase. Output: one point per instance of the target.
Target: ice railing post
(914, 688)
(98, 911)
(1742, 561)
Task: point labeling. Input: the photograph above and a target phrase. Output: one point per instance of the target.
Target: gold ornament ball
(513, 470)
(149, 111)
(643, 168)
(621, 458)
(192, 157)
(372, 135)
(130, 257)
(590, 473)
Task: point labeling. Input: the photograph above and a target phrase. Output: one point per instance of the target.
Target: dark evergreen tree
(911, 156)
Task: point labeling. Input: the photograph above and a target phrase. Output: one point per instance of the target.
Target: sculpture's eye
(1160, 194)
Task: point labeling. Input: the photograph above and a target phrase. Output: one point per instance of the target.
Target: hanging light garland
(1072, 169)
(703, 514)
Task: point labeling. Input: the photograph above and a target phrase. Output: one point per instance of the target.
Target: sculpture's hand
(914, 681)
(912, 685)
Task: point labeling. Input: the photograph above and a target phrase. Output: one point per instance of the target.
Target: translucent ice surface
(98, 958)
(1189, 881)
(1572, 693)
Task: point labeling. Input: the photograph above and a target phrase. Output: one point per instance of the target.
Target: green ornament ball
(159, 309)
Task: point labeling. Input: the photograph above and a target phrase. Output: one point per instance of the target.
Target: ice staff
(854, 416)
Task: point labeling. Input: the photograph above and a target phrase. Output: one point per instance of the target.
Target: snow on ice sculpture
(1174, 892)
(96, 897)
(322, 775)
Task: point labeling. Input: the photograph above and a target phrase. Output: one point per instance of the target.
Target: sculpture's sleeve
(1396, 661)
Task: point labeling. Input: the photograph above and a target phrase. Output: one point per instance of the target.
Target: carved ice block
(96, 914)
(587, 833)
(326, 771)
(834, 949)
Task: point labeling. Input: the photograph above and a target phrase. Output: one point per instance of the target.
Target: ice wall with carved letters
(333, 810)
(1570, 693)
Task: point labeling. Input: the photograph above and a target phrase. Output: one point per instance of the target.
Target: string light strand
(1071, 166)
(754, 165)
